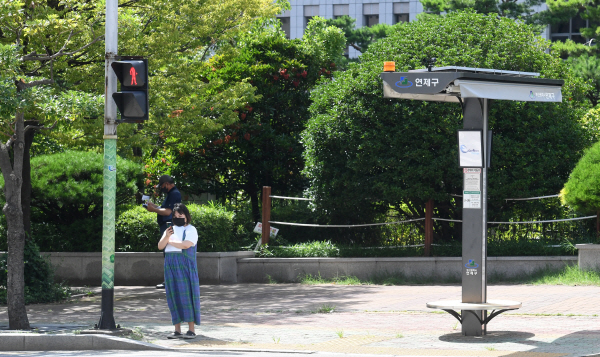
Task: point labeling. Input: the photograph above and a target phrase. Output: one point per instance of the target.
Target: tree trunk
(26, 189)
(13, 179)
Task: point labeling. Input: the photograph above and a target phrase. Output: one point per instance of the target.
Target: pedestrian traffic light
(132, 100)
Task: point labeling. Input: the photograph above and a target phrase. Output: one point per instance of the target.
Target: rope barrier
(529, 198)
(292, 198)
(344, 226)
(451, 194)
(421, 219)
(447, 220)
(548, 221)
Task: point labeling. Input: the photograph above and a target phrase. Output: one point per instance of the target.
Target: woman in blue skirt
(181, 272)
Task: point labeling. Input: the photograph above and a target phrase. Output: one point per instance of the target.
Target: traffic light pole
(107, 320)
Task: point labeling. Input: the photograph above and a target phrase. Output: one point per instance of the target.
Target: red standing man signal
(133, 73)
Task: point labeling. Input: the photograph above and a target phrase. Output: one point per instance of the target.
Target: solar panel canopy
(448, 84)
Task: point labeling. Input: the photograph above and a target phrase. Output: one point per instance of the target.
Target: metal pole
(474, 227)
(107, 320)
(266, 214)
(428, 227)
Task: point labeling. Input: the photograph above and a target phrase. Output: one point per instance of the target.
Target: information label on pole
(258, 229)
(472, 188)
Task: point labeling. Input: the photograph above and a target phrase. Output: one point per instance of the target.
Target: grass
(340, 333)
(569, 275)
(381, 279)
(324, 309)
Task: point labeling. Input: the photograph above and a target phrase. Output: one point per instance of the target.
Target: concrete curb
(68, 342)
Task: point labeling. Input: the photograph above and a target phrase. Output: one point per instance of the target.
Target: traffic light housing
(132, 100)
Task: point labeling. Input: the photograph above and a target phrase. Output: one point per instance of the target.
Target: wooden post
(428, 227)
(266, 214)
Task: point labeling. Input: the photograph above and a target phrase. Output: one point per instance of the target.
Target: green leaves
(582, 191)
(366, 154)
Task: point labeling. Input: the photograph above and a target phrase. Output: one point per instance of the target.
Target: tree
(588, 68)
(581, 191)
(360, 38)
(366, 155)
(20, 96)
(263, 147)
(513, 9)
(52, 68)
(563, 11)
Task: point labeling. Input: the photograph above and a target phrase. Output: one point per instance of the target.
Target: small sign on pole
(470, 148)
(472, 188)
(258, 229)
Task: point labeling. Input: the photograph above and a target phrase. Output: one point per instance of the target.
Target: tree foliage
(359, 38)
(366, 154)
(263, 147)
(563, 11)
(506, 8)
(582, 191)
(588, 68)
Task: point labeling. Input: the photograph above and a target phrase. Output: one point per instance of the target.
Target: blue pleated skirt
(182, 287)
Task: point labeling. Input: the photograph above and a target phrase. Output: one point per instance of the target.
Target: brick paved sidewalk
(554, 320)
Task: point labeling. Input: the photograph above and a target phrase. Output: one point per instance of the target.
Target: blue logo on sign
(471, 264)
(531, 95)
(404, 83)
(111, 168)
(464, 149)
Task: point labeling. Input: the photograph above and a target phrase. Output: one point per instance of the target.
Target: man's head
(165, 183)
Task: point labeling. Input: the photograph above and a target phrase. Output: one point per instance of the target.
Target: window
(569, 30)
(310, 11)
(284, 18)
(285, 25)
(371, 14)
(341, 10)
(401, 12)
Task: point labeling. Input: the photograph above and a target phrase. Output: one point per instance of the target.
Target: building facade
(371, 12)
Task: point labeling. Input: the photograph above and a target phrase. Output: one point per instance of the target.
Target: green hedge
(66, 199)
(39, 278)
(137, 230)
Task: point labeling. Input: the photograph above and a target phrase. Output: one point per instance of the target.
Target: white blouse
(191, 234)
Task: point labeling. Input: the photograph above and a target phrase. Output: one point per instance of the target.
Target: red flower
(227, 139)
(304, 73)
(163, 160)
(243, 116)
(218, 141)
(286, 76)
(296, 83)
(249, 109)
(247, 136)
(148, 182)
(275, 77)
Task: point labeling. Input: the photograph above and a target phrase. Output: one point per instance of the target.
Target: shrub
(39, 278)
(582, 190)
(66, 199)
(137, 230)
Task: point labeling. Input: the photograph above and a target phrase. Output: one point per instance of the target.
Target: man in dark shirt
(164, 213)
